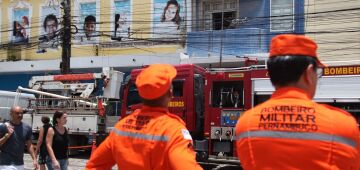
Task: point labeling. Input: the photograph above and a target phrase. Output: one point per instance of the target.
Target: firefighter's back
(292, 132)
(150, 137)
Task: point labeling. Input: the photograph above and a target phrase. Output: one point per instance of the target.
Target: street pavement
(75, 163)
(78, 163)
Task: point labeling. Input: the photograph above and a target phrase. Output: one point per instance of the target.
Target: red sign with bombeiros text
(341, 70)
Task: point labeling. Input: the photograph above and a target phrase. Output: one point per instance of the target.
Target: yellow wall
(4, 23)
(139, 14)
(140, 7)
(337, 42)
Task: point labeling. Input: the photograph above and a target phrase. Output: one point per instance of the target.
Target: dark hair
(26, 19)
(17, 31)
(89, 18)
(45, 120)
(14, 28)
(57, 115)
(50, 17)
(284, 70)
(117, 17)
(177, 18)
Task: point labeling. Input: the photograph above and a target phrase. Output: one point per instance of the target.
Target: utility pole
(222, 35)
(221, 47)
(66, 38)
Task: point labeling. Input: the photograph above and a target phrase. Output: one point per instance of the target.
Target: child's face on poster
(51, 27)
(89, 28)
(170, 12)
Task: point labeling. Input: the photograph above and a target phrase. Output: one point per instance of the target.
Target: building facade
(125, 34)
(241, 28)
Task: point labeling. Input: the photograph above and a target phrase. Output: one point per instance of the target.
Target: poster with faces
(87, 27)
(122, 19)
(168, 16)
(50, 25)
(21, 26)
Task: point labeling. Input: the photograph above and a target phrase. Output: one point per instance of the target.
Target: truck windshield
(112, 108)
(227, 94)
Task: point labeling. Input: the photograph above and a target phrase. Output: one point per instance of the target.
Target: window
(112, 108)
(222, 20)
(282, 15)
(133, 96)
(218, 15)
(178, 88)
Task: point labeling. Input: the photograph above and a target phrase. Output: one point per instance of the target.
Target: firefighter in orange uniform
(150, 137)
(290, 131)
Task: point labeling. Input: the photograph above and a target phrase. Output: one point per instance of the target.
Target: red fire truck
(229, 92)
(227, 95)
(211, 101)
(188, 93)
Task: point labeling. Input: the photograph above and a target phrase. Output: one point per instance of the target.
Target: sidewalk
(74, 163)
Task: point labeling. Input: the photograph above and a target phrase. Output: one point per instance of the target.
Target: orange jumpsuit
(148, 139)
(290, 131)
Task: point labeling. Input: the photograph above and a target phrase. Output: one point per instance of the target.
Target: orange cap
(298, 45)
(155, 80)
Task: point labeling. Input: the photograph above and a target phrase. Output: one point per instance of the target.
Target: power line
(264, 17)
(261, 17)
(344, 30)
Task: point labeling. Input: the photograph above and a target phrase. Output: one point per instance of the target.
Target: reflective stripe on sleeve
(298, 135)
(141, 136)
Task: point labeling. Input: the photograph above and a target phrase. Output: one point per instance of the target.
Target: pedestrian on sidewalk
(41, 143)
(57, 142)
(14, 136)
